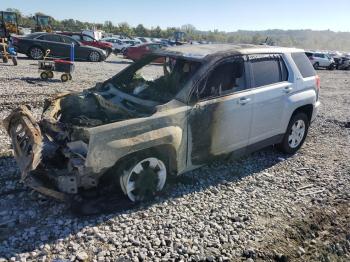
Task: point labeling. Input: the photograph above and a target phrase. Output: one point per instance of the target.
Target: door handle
(288, 89)
(244, 100)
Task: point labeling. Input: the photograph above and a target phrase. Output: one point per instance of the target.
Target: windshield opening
(156, 78)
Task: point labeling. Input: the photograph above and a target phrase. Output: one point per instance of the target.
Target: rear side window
(308, 54)
(51, 38)
(268, 70)
(68, 40)
(304, 65)
(76, 37)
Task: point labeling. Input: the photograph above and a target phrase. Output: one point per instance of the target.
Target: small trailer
(47, 67)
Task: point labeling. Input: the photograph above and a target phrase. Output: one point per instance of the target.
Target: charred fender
(100, 160)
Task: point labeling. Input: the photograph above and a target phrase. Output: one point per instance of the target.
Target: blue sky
(225, 15)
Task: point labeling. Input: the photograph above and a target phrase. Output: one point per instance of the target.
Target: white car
(214, 101)
(119, 44)
(321, 60)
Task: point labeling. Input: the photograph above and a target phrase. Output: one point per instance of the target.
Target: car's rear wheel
(143, 178)
(296, 133)
(36, 53)
(94, 56)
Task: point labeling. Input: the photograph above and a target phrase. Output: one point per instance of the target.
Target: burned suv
(171, 112)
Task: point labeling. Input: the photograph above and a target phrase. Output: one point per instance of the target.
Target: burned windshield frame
(126, 76)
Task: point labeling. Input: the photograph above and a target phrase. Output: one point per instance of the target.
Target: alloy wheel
(297, 133)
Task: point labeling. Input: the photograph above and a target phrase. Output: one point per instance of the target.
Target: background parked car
(342, 63)
(90, 41)
(36, 44)
(320, 60)
(137, 52)
(118, 45)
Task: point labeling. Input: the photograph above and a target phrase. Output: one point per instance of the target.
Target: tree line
(308, 39)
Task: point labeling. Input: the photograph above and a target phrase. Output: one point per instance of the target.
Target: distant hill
(307, 39)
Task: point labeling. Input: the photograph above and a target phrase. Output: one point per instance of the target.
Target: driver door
(220, 119)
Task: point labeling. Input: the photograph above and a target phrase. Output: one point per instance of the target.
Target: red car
(90, 41)
(137, 52)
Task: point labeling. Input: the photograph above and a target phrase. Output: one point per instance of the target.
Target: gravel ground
(266, 206)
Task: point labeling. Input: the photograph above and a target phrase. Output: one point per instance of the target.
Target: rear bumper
(315, 111)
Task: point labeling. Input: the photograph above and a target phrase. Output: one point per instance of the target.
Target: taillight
(318, 82)
(318, 86)
(311, 58)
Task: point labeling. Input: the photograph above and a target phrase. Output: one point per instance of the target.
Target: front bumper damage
(49, 161)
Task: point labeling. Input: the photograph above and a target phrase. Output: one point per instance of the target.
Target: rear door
(80, 52)
(271, 88)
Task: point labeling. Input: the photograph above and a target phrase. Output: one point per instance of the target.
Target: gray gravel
(267, 206)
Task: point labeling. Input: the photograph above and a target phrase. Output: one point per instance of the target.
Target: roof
(202, 51)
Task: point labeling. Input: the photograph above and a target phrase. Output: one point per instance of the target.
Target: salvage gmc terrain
(206, 101)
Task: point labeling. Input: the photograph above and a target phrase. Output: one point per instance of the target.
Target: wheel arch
(307, 109)
(33, 46)
(165, 152)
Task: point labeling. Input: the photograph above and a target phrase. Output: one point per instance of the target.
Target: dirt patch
(322, 235)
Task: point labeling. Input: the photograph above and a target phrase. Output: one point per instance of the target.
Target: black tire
(50, 74)
(36, 53)
(70, 77)
(5, 59)
(285, 145)
(44, 76)
(331, 67)
(64, 78)
(14, 60)
(94, 56)
(316, 65)
(108, 52)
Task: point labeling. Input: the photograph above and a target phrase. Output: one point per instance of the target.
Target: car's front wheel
(296, 133)
(143, 178)
(108, 52)
(94, 56)
(317, 65)
(36, 53)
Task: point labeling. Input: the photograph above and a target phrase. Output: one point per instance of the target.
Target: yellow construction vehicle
(42, 23)
(8, 26)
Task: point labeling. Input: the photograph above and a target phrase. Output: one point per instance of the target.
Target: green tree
(108, 26)
(125, 29)
(140, 30)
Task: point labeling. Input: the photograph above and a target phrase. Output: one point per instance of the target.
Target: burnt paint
(202, 121)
